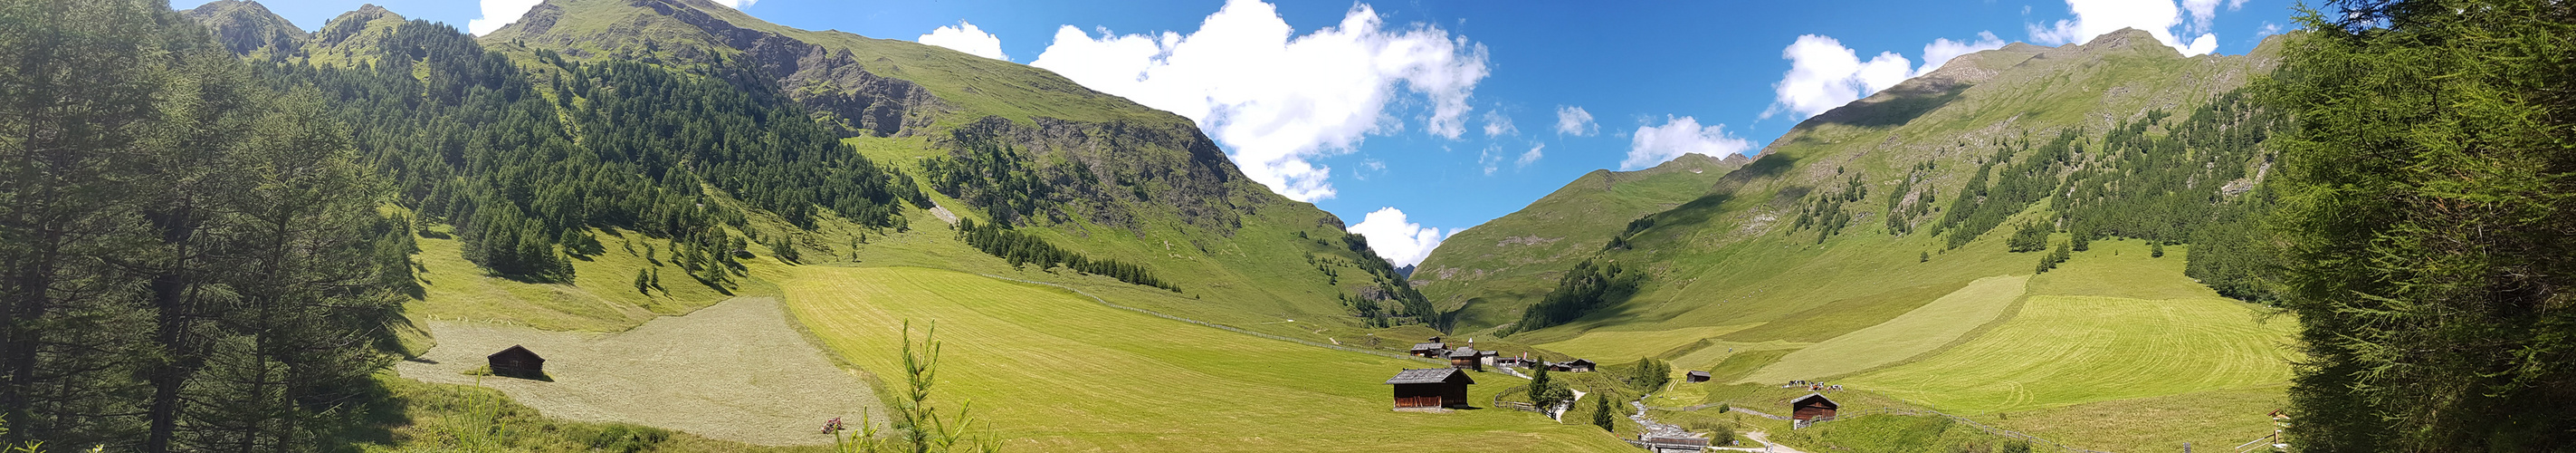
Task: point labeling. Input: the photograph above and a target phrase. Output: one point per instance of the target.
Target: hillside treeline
(2190, 180)
(1586, 288)
(1022, 249)
(2429, 213)
(190, 258)
(525, 165)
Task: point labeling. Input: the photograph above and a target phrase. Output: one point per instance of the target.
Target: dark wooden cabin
(1695, 376)
(1431, 388)
(1578, 366)
(1432, 349)
(1467, 359)
(517, 361)
(1814, 406)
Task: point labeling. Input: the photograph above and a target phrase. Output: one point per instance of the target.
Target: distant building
(517, 362)
(1431, 388)
(1695, 376)
(1813, 407)
(1489, 358)
(1467, 359)
(1579, 366)
(1514, 361)
(1434, 350)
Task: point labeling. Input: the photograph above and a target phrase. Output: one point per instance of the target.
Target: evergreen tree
(1601, 412)
(191, 259)
(2427, 209)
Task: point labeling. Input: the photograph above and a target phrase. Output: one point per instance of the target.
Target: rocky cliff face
(829, 82)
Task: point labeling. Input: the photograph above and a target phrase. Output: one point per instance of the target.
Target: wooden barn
(1574, 366)
(1433, 349)
(1467, 359)
(1431, 388)
(1813, 407)
(517, 361)
(1695, 376)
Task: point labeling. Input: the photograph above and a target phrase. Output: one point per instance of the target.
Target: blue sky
(1412, 120)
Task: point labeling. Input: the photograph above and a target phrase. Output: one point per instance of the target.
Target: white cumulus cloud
(1497, 125)
(966, 38)
(1823, 74)
(498, 13)
(1653, 145)
(1276, 99)
(1530, 157)
(1941, 51)
(1396, 239)
(2158, 17)
(1571, 120)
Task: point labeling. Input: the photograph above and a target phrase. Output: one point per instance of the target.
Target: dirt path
(734, 371)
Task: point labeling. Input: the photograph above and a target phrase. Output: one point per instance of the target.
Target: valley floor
(1054, 371)
(735, 371)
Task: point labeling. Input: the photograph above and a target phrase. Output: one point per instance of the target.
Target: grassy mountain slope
(1102, 175)
(1926, 136)
(1512, 260)
(1859, 217)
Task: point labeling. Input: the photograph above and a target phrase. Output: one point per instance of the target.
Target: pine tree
(1601, 412)
(2428, 199)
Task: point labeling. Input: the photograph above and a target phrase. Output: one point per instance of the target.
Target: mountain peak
(2124, 39)
(248, 28)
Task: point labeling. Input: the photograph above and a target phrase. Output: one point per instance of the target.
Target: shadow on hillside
(1901, 106)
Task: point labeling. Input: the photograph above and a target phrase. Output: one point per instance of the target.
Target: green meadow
(1051, 370)
(2064, 350)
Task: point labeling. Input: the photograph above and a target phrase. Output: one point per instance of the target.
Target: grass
(1053, 371)
(600, 299)
(1916, 332)
(2063, 350)
(1894, 434)
(414, 416)
(1599, 345)
(2207, 420)
(1833, 319)
(1494, 269)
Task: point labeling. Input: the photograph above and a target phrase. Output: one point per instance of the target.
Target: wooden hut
(1489, 358)
(1695, 376)
(1813, 407)
(1579, 366)
(1430, 388)
(1466, 359)
(1433, 349)
(517, 361)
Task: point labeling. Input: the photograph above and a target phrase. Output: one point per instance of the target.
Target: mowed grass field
(2062, 350)
(1054, 371)
(1920, 331)
(1627, 345)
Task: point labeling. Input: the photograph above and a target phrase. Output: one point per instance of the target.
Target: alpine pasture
(1054, 371)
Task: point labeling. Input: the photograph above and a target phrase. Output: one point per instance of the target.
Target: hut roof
(1829, 402)
(1698, 373)
(1579, 362)
(516, 350)
(1429, 346)
(1463, 353)
(1430, 376)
